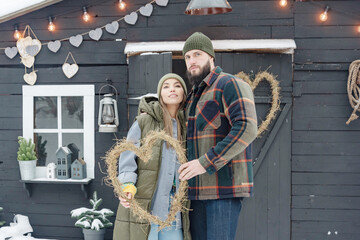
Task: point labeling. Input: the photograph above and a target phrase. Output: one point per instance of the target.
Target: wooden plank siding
(325, 155)
(325, 165)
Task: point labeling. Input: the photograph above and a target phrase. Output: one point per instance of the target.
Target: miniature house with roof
(50, 171)
(63, 162)
(78, 169)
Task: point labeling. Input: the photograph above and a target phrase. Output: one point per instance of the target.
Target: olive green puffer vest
(128, 226)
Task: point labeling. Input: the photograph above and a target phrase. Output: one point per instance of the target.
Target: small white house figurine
(63, 162)
(50, 171)
(78, 169)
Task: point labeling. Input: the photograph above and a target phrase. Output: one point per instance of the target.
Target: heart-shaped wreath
(144, 153)
(275, 91)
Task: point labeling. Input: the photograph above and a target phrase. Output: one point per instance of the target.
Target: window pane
(45, 112)
(77, 139)
(72, 110)
(46, 146)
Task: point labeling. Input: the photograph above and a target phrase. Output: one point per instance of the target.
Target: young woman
(153, 183)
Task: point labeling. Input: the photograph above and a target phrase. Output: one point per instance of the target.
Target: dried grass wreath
(144, 153)
(275, 91)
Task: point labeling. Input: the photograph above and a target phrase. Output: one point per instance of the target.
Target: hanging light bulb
(122, 5)
(17, 34)
(358, 29)
(324, 16)
(283, 3)
(51, 26)
(86, 17)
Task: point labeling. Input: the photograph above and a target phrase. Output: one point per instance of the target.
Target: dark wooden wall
(325, 165)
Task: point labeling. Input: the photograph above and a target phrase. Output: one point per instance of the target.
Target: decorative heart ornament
(112, 27)
(70, 69)
(95, 34)
(275, 90)
(32, 50)
(21, 45)
(131, 18)
(11, 52)
(54, 46)
(76, 40)
(146, 10)
(144, 153)
(163, 3)
(28, 61)
(30, 78)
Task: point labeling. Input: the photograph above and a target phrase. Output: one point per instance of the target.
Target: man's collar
(212, 76)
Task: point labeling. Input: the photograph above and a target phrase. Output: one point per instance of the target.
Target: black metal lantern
(208, 7)
(108, 119)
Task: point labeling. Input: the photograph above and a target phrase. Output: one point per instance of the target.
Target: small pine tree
(1, 222)
(92, 218)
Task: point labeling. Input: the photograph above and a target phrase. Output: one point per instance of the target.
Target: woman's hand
(124, 201)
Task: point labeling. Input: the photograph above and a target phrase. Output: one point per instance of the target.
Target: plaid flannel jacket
(221, 124)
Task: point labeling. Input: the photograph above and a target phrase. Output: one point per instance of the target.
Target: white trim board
(285, 46)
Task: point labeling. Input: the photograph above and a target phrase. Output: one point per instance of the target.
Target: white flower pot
(90, 234)
(27, 169)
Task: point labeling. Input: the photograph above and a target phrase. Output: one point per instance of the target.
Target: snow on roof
(65, 149)
(15, 8)
(286, 46)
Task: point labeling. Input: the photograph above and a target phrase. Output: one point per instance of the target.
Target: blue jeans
(214, 219)
(165, 234)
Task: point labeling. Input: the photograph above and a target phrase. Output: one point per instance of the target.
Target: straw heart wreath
(275, 91)
(144, 153)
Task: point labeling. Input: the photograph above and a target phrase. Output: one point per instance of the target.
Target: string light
(324, 16)
(283, 3)
(122, 5)
(17, 34)
(51, 26)
(358, 29)
(86, 17)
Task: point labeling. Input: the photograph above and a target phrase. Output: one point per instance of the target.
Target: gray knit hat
(199, 41)
(166, 77)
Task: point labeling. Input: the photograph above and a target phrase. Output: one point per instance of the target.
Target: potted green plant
(93, 221)
(27, 159)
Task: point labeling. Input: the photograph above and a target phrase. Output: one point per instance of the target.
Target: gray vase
(27, 169)
(90, 234)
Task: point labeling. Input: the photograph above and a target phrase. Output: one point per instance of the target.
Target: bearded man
(221, 124)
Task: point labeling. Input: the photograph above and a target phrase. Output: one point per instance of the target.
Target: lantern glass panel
(45, 112)
(72, 112)
(46, 145)
(77, 138)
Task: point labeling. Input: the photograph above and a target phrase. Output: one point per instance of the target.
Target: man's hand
(124, 202)
(190, 169)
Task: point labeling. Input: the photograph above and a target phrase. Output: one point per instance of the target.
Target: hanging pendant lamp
(207, 7)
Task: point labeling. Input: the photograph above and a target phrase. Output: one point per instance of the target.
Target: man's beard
(196, 79)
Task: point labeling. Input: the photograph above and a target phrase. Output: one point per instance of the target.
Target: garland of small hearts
(144, 153)
(95, 34)
(275, 91)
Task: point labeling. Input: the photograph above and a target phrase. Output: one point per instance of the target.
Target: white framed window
(59, 115)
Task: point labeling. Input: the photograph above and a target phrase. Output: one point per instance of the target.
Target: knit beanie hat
(199, 41)
(166, 77)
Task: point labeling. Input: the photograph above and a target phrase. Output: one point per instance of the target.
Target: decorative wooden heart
(30, 78)
(76, 40)
(144, 153)
(112, 27)
(32, 50)
(11, 52)
(131, 18)
(275, 90)
(70, 69)
(21, 45)
(28, 61)
(146, 10)
(162, 3)
(54, 46)
(31, 46)
(95, 34)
